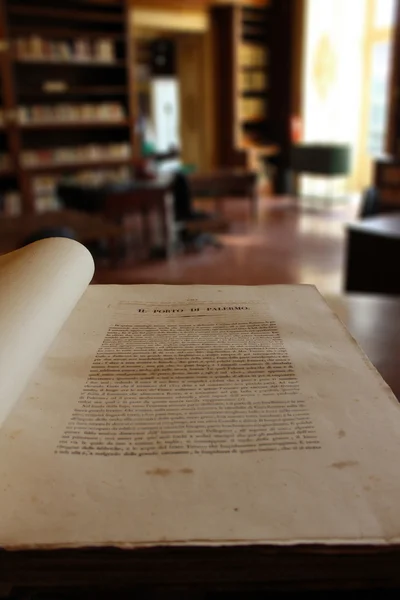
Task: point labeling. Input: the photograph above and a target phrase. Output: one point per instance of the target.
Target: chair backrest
(372, 204)
(369, 203)
(85, 199)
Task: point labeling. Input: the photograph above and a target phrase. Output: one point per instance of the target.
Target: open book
(151, 415)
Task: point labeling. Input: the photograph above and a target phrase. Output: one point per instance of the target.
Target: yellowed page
(203, 415)
(39, 286)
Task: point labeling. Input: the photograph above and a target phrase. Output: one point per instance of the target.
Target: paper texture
(201, 415)
(40, 284)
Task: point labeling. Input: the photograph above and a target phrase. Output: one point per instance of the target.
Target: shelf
(253, 120)
(75, 125)
(251, 68)
(258, 39)
(45, 62)
(78, 166)
(253, 22)
(114, 90)
(63, 14)
(253, 93)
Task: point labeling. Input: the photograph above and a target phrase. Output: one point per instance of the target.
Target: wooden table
(115, 202)
(375, 323)
(143, 197)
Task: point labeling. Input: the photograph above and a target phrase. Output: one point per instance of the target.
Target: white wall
(333, 74)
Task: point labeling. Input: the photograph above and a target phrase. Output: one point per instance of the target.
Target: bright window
(384, 14)
(380, 51)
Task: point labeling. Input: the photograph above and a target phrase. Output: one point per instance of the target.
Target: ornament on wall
(325, 66)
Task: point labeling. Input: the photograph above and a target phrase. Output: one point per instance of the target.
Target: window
(384, 11)
(380, 49)
(379, 91)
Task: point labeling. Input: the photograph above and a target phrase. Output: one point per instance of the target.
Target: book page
(201, 415)
(39, 286)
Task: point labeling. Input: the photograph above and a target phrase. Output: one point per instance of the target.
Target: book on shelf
(252, 81)
(252, 55)
(171, 415)
(252, 108)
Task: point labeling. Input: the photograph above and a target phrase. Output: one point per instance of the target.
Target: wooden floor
(285, 245)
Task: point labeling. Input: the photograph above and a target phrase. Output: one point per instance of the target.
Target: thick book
(173, 415)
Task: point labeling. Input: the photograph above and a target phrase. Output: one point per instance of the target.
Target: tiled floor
(285, 245)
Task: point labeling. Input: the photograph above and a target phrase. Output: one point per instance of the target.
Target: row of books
(252, 55)
(252, 81)
(46, 185)
(76, 154)
(104, 111)
(35, 47)
(252, 108)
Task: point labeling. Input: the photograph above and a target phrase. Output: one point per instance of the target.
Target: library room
(199, 297)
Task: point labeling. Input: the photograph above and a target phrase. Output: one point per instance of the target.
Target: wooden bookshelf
(81, 55)
(255, 81)
(30, 10)
(252, 59)
(8, 180)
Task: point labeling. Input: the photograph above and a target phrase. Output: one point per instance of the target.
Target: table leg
(113, 246)
(167, 223)
(146, 231)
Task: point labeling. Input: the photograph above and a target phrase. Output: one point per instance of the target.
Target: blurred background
(206, 141)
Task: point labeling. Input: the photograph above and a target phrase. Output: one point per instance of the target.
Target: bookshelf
(67, 76)
(257, 60)
(252, 76)
(9, 193)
